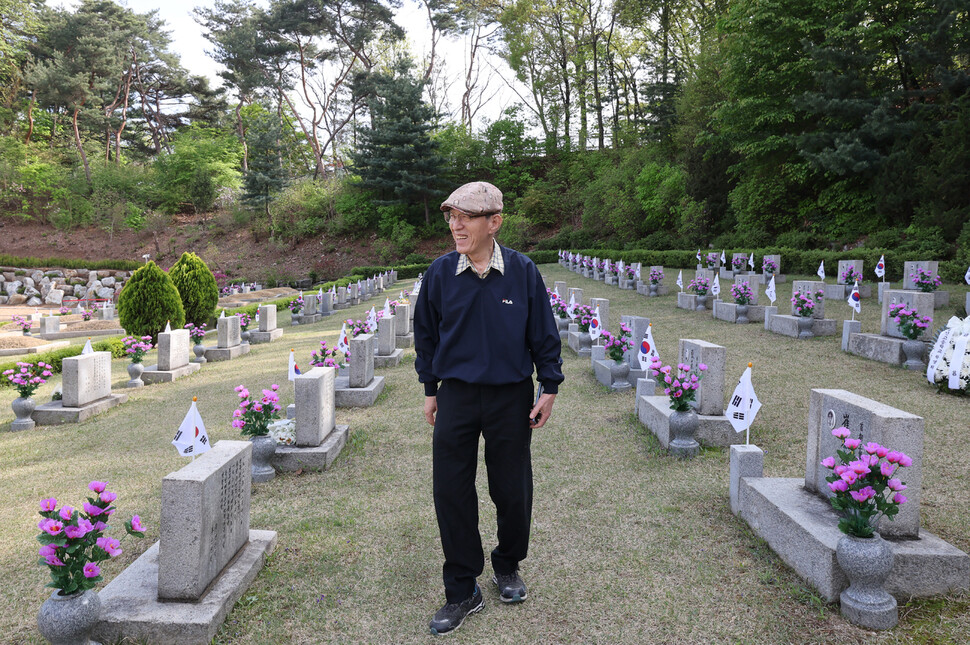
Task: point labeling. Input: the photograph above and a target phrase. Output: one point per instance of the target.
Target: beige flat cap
(475, 198)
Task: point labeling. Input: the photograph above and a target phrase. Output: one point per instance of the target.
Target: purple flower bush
(22, 322)
(865, 487)
(700, 286)
(296, 305)
(617, 346)
(804, 302)
(768, 266)
(711, 260)
(136, 347)
(328, 357)
(851, 276)
(87, 314)
(910, 323)
(196, 332)
(925, 281)
(244, 321)
(741, 293)
(681, 386)
(253, 417)
(73, 541)
(584, 316)
(739, 261)
(27, 377)
(656, 276)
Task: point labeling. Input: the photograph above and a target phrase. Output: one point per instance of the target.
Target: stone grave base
(309, 319)
(391, 360)
(341, 306)
(941, 299)
(884, 349)
(290, 459)
(153, 375)
(601, 369)
(215, 354)
(788, 326)
(82, 333)
(802, 529)
(404, 342)
(725, 274)
(779, 278)
(33, 350)
(727, 311)
(257, 337)
(573, 341)
(686, 301)
(654, 412)
(345, 396)
(131, 611)
(644, 289)
(54, 413)
(837, 291)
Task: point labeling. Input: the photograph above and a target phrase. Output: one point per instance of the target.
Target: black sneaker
(510, 587)
(452, 615)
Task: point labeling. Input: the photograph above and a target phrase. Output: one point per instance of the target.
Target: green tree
(266, 176)
(202, 161)
(196, 286)
(149, 301)
(396, 156)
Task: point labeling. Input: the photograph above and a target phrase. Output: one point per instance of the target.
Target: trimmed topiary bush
(148, 301)
(196, 286)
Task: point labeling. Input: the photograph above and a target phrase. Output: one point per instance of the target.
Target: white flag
(387, 307)
(87, 348)
(571, 308)
(619, 267)
(716, 287)
(770, 290)
(853, 300)
(680, 279)
(596, 325)
(648, 349)
(723, 259)
(821, 270)
(320, 293)
(751, 261)
(168, 327)
(191, 438)
(744, 404)
(372, 320)
(343, 344)
(699, 256)
(639, 267)
(881, 267)
(966, 276)
(223, 314)
(292, 370)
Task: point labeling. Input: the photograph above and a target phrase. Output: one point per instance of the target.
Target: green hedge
(55, 357)
(64, 263)
(793, 261)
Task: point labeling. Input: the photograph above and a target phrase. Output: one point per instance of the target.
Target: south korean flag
(571, 308)
(881, 267)
(680, 279)
(716, 287)
(596, 325)
(744, 404)
(191, 438)
(648, 349)
(854, 299)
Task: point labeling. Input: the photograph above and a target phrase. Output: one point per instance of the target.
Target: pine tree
(265, 176)
(396, 156)
(196, 286)
(149, 301)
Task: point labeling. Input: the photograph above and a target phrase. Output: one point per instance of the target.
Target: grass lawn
(628, 544)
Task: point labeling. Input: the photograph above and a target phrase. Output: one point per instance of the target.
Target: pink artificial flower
(872, 447)
(97, 486)
(702, 367)
(905, 461)
(838, 486)
(841, 468)
(237, 413)
(829, 462)
(274, 387)
(54, 561)
(66, 513)
(48, 505)
(849, 477)
(862, 495)
(47, 551)
(53, 527)
(896, 485)
(841, 433)
(859, 468)
(136, 524)
(108, 497)
(110, 546)
(92, 510)
(74, 532)
(899, 498)
(100, 526)
(851, 443)
(91, 570)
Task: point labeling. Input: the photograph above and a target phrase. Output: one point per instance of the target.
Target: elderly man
(482, 320)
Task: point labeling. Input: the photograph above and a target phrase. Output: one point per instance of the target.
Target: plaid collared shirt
(496, 262)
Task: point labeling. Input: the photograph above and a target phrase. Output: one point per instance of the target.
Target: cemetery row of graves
(210, 500)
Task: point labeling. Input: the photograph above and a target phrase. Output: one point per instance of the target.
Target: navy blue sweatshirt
(487, 331)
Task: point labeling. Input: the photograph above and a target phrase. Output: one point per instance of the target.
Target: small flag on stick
(596, 325)
(744, 405)
(191, 438)
(821, 270)
(293, 370)
(648, 349)
(87, 348)
(770, 290)
(854, 300)
(680, 279)
(881, 268)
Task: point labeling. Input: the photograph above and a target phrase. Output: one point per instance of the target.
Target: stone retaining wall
(34, 287)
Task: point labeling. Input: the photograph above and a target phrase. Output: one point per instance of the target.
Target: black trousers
(500, 413)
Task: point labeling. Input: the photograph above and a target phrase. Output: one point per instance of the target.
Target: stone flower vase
(683, 429)
(23, 407)
(135, 371)
(295, 318)
(653, 290)
(26, 331)
(68, 620)
(199, 350)
(245, 337)
(619, 373)
(562, 324)
(701, 302)
(264, 447)
(585, 343)
(867, 562)
(742, 314)
(913, 350)
(805, 327)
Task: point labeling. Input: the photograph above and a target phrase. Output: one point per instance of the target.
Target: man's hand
(539, 414)
(430, 407)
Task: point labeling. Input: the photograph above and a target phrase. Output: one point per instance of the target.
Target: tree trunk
(80, 148)
(30, 116)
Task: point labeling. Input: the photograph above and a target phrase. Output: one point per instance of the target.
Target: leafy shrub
(540, 203)
(149, 301)
(196, 286)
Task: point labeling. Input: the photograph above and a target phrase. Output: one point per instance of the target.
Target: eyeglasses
(463, 218)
